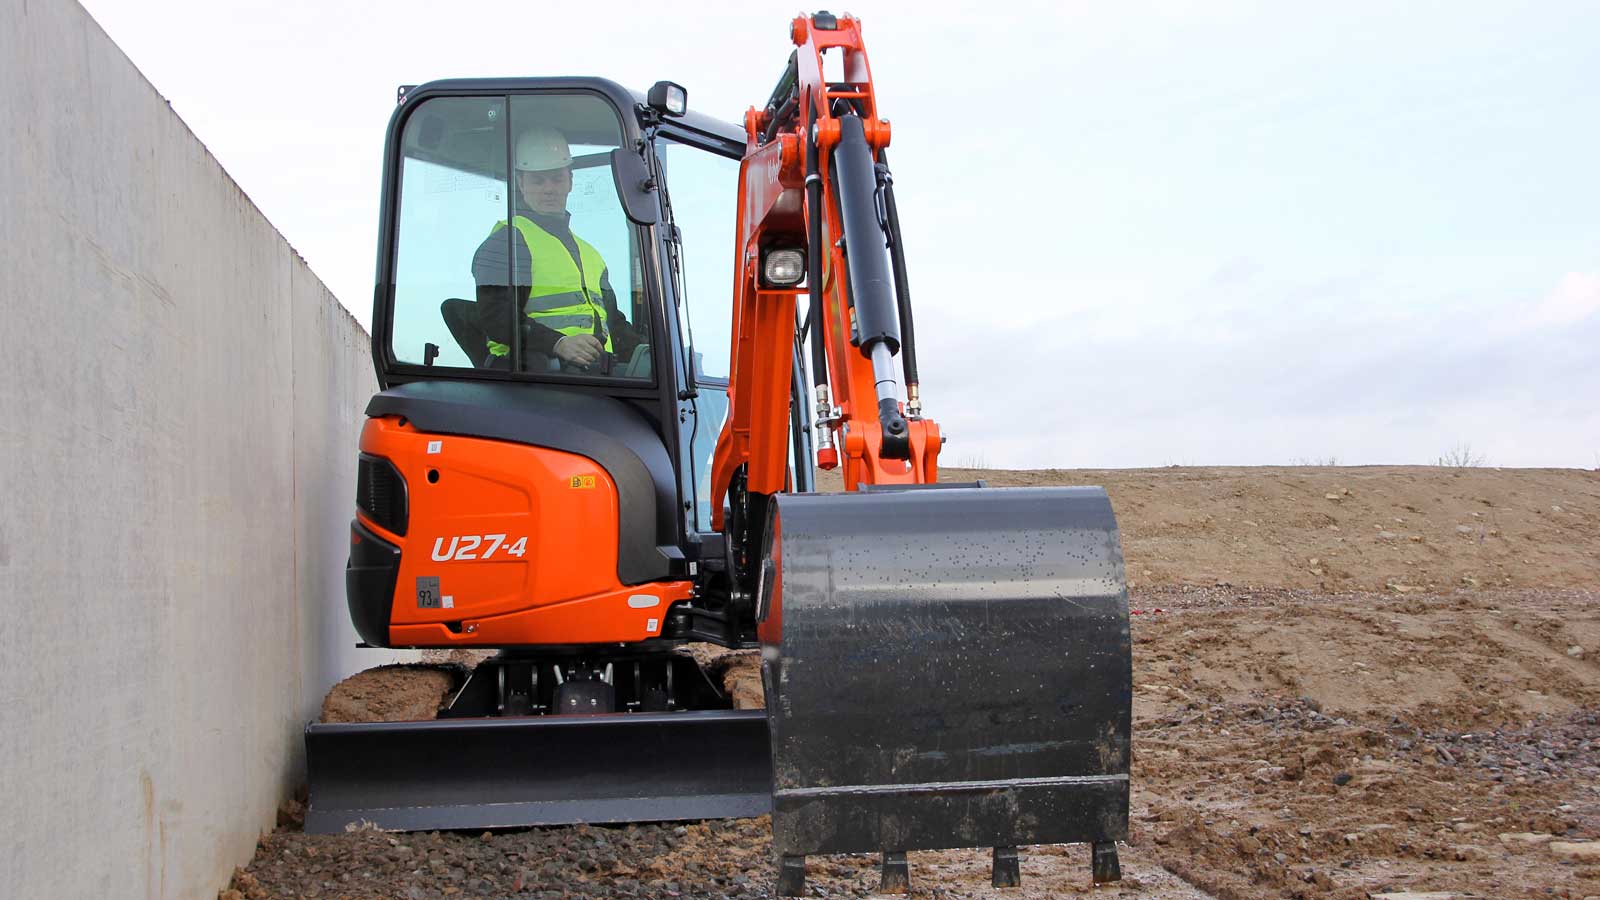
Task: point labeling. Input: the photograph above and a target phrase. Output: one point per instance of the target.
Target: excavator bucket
(947, 667)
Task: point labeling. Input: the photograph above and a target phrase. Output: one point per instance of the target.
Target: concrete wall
(178, 416)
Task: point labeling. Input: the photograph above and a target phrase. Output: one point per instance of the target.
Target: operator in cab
(558, 279)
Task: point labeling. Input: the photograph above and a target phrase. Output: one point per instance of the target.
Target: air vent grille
(381, 493)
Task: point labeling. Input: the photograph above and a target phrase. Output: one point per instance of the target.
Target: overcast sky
(1138, 233)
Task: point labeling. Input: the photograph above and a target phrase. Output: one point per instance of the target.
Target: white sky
(1138, 233)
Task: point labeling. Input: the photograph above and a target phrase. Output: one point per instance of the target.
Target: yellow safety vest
(565, 296)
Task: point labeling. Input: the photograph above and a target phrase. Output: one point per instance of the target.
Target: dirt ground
(1339, 693)
(1405, 529)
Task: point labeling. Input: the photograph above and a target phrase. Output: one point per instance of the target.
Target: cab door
(704, 195)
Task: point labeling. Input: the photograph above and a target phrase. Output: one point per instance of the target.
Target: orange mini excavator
(576, 461)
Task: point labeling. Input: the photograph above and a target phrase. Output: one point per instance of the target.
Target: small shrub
(1461, 457)
(972, 461)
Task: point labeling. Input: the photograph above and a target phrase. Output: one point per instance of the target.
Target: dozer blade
(954, 670)
(538, 770)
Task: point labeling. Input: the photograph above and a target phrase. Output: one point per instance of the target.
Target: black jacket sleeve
(624, 336)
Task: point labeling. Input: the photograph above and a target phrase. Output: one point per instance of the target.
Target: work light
(668, 98)
(783, 268)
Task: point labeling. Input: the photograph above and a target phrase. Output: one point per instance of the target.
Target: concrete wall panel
(178, 420)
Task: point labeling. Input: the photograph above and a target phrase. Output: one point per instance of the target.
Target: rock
(1464, 827)
(1387, 535)
(1330, 496)
(1579, 851)
(1463, 529)
(1525, 838)
(1342, 779)
(1416, 895)
(1575, 651)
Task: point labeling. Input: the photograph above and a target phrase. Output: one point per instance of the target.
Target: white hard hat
(541, 149)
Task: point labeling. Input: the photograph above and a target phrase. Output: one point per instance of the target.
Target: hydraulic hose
(819, 356)
(776, 121)
(902, 288)
(785, 88)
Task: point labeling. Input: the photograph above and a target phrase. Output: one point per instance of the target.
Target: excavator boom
(815, 180)
(945, 665)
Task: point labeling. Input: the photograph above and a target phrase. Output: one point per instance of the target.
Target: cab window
(704, 189)
(512, 252)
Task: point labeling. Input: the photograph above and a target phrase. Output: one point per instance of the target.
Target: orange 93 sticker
(582, 482)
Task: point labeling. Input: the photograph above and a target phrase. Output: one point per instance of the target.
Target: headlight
(668, 98)
(783, 268)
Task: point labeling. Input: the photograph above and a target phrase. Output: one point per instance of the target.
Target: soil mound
(739, 671)
(1403, 529)
(399, 693)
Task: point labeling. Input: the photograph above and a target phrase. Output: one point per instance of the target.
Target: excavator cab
(554, 509)
(587, 517)
(589, 454)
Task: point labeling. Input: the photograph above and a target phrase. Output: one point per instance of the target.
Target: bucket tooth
(1105, 866)
(792, 876)
(896, 877)
(1007, 868)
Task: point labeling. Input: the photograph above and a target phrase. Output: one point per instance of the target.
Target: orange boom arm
(814, 178)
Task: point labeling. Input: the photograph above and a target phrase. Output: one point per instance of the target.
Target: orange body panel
(522, 539)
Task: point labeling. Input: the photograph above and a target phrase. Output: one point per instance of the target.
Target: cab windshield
(513, 252)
